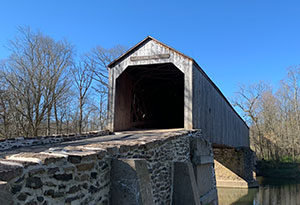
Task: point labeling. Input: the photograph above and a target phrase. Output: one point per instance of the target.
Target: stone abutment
(129, 168)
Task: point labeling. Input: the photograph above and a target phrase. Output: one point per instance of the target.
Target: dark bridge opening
(150, 96)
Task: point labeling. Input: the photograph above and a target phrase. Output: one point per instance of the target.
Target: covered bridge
(155, 86)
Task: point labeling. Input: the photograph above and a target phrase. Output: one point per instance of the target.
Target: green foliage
(289, 159)
(278, 169)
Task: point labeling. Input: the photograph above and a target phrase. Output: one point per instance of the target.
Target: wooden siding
(213, 114)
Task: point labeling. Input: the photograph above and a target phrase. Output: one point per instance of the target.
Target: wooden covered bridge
(155, 86)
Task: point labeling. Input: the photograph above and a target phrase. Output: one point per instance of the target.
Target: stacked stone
(14, 143)
(58, 179)
(81, 174)
(234, 167)
(160, 155)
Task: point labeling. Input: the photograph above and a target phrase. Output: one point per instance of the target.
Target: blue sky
(234, 41)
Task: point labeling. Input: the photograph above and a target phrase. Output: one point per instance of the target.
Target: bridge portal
(149, 96)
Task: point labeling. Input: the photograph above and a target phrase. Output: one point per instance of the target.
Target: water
(270, 192)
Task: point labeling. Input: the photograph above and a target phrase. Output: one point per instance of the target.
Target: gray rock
(34, 182)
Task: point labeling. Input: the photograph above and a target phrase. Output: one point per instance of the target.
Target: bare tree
(4, 109)
(274, 118)
(248, 101)
(83, 77)
(100, 57)
(62, 110)
(36, 94)
(289, 98)
(35, 75)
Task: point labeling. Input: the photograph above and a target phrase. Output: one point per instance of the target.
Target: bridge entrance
(156, 87)
(149, 96)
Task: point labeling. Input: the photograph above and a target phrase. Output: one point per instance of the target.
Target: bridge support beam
(185, 190)
(234, 167)
(203, 166)
(130, 182)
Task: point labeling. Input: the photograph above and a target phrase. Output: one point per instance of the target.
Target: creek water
(270, 192)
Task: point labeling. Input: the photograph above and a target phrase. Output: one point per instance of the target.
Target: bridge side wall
(214, 115)
(82, 175)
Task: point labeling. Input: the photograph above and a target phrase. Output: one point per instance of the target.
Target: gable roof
(141, 43)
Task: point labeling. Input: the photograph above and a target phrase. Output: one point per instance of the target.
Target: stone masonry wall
(80, 174)
(239, 163)
(159, 160)
(60, 179)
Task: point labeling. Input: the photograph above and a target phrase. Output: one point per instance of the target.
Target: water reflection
(271, 191)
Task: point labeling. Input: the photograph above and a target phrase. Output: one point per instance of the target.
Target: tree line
(45, 89)
(273, 116)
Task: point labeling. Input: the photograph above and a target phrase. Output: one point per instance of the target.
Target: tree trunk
(80, 115)
(67, 126)
(56, 118)
(49, 121)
